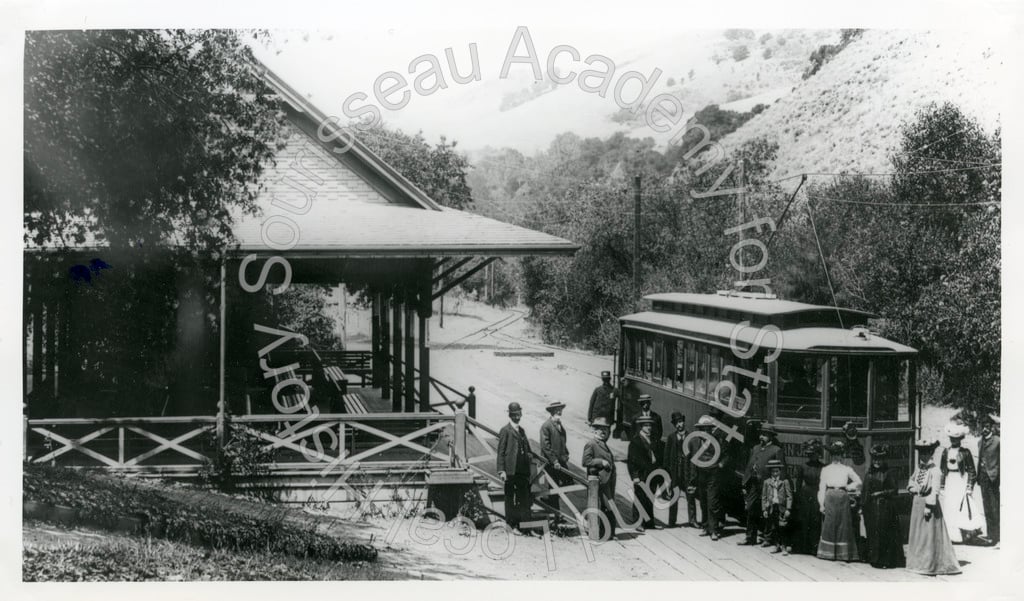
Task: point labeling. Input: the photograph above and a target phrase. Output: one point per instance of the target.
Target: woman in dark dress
(885, 538)
(806, 531)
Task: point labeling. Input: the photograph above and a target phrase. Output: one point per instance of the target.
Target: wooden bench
(353, 363)
(354, 404)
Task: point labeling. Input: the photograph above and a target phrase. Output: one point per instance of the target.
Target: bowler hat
(600, 422)
(606, 375)
(677, 417)
(514, 407)
(644, 398)
(555, 406)
(643, 419)
(773, 463)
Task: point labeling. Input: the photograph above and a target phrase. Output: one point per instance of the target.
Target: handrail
(342, 417)
(543, 460)
(118, 421)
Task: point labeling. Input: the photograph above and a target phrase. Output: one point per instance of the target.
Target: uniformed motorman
(602, 400)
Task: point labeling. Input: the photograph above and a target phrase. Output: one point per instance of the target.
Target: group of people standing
(818, 512)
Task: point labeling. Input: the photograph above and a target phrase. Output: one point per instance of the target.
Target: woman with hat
(884, 536)
(838, 537)
(807, 529)
(929, 550)
(962, 509)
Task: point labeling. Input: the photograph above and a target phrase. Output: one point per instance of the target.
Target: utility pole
(742, 206)
(636, 242)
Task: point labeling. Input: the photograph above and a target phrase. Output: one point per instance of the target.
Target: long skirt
(807, 529)
(964, 514)
(929, 550)
(838, 539)
(885, 538)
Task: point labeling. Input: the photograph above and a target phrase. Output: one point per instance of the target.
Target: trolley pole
(636, 242)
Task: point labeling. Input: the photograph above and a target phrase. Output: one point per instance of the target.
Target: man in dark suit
(602, 400)
(513, 464)
(988, 476)
(753, 477)
(642, 458)
(706, 480)
(552, 447)
(598, 461)
(657, 428)
(677, 464)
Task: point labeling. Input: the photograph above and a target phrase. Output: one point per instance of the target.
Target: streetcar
(829, 376)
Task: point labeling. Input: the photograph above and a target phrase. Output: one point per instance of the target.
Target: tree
(439, 170)
(137, 137)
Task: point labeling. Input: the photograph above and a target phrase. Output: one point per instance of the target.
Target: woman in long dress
(838, 537)
(807, 529)
(929, 550)
(961, 504)
(884, 536)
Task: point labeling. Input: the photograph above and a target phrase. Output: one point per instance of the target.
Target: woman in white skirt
(961, 504)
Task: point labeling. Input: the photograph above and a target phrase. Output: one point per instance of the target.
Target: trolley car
(828, 375)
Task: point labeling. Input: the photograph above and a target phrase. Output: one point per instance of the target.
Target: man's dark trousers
(517, 499)
(752, 507)
(990, 502)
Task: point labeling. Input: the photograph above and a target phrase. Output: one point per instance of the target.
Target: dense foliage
(140, 136)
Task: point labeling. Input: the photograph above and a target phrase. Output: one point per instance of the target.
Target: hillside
(847, 116)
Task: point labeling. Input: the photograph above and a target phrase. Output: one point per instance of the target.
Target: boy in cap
(602, 400)
(777, 504)
(552, 447)
(513, 462)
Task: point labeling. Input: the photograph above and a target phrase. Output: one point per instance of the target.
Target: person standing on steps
(598, 461)
(556, 454)
(753, 478)
(513, 462)
(643, 457)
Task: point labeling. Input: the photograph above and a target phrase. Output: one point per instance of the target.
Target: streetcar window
(679, 358)
(702, 370)
(670, 361)
(891, 390)
(659, 350)
(690, 374)
(714, 369)
(648, 357)
(799, 394)
(848, 390)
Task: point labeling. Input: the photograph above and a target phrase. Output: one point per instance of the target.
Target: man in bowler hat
(677, 464)
(513, 462)
(643, 457)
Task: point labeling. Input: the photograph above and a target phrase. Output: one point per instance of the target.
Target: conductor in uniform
(754, 477)
(598, 461)
(602, 400)
(513, 459)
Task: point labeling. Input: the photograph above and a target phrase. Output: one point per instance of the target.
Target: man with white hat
(657, 428)
(552, 447)
(513, 463)
(705, 482)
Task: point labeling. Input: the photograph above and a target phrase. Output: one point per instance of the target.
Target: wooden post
(424, 364)
(410, 358)
(460, 436)
(51, 347)
(375, 340)
(120, 446)
(593, 504)
(471, 402)
(385, 347)
(222, 405)
(396, 355)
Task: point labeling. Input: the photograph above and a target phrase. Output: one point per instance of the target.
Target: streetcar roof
(820, 339)
(747, 303)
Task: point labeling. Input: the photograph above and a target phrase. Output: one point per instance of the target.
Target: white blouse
(837, 475)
